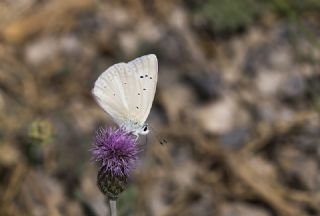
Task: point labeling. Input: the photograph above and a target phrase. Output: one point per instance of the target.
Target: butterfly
(126, 92)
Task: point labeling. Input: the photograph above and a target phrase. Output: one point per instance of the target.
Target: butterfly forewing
(145, 70)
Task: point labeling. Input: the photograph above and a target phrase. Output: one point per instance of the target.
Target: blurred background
(237, 99)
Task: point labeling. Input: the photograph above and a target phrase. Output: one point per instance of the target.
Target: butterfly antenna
(161, 141)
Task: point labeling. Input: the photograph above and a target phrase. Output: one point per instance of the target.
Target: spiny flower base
(111, 185)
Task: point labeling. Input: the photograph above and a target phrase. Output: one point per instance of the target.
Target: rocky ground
(237, 100)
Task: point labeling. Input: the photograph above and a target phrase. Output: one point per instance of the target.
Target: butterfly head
(136, 128)
(144, 129)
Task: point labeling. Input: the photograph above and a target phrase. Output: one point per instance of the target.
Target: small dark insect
(141, 76)
(137, 107)
(144, 89)
(150, 77)
(162, 142)
(138, 93)
(146, 75)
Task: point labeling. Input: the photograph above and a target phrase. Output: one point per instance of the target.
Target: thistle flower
(116, 152)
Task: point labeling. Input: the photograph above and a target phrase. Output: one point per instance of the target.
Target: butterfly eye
(145, 128)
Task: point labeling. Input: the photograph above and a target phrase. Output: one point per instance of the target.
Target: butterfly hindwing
(109, 93)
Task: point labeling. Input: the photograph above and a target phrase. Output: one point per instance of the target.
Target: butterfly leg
(136, 135)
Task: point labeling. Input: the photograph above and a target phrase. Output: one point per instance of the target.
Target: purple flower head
(116, 151)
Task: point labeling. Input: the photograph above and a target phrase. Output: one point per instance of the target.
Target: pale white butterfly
(126, 92)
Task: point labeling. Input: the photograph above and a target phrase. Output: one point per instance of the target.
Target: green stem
(113, 207)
